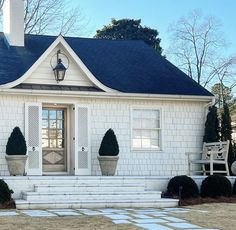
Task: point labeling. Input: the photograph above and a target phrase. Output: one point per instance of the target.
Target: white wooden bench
(215, 153)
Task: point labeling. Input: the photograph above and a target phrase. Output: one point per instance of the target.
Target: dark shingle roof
(127, 66)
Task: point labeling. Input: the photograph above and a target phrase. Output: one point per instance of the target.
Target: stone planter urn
(233, 168)
(16, 164)
(108, 165)
(16, 153)
(108, 154)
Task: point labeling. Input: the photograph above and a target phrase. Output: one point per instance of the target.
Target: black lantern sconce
(60, 70)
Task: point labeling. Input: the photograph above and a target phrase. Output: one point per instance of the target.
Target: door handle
(33, 148)
(82, 148)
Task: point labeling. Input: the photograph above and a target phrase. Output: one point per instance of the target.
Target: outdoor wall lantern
(59, 69)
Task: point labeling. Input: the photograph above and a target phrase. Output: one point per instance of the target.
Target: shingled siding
(183, 125)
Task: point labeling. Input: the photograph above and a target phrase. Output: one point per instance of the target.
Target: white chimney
(13, 22)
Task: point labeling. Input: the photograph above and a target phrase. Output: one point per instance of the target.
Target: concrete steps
(119, 195)
(92, 193)
(159, 203)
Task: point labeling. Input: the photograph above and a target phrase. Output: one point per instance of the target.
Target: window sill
(147, 150)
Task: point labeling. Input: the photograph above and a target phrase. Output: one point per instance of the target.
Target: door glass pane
(45, 143)
(45, 114)
(52, 124)
(59, 114)
(53, 143)
(52, 134)
(60, 143)
(59, 124)
(52, 114)
(45, 123)
(59, 133)
(45, 133)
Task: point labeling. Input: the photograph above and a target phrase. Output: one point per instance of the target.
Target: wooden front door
(54, 140)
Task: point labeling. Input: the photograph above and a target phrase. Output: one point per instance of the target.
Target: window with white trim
(146, 129)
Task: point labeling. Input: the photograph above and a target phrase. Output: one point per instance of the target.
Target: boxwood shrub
(234, 188)
(5, 192)
(216, 185)
(184, 183)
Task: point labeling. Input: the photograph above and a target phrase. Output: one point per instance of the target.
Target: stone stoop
(95, 193)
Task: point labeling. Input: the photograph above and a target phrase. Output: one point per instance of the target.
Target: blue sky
(159, 14)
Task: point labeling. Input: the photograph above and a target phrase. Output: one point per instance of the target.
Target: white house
(156, 111)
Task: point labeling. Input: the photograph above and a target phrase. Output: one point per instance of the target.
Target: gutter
(107, 95)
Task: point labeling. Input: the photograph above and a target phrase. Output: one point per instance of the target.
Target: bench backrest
(221, 150)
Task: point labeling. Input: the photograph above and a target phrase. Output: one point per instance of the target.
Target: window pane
(146, 113)
(59, 124)
(59, 133)
(45, 133)
(45, 143)
(52, 134)
(137, 143)
(45, 114)
(45, 124)
(60, 143)
(146, 143)
(52, 124)
(154, 143)
(137, 113)
(154, 134)
(53, 143)
(146, 134)
(52, 114)
(137, 123)
(59, 114)
(147, 124)
(137, 134)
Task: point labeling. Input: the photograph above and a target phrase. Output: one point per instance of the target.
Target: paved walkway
(151, 219)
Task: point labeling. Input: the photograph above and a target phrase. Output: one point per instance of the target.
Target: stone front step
(89, 187)
(91, 192)
(113, 195)
(159, 203)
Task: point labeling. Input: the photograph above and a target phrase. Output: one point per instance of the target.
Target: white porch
(32, 192)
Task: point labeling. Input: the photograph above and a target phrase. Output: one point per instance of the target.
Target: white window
(146, 130)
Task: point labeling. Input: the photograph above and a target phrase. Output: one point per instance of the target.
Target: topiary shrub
(216, 185)
(16, 144)
(109, 145)
(187, 185)
(234, 188)
(5, 192)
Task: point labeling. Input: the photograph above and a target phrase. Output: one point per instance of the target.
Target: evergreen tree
(226, 132)
(211, 126)
(226, 128)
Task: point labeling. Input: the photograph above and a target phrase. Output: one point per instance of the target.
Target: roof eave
(121, 95)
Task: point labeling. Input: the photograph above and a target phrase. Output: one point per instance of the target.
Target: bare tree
(197, 45)
(54, 17)
(1, 4)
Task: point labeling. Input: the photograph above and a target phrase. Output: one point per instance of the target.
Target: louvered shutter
(33, 120)
(82, 146)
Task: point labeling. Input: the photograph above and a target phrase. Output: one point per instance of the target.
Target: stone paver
(150, 219)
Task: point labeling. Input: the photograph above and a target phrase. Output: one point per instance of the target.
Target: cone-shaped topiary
(16, 144)
(5, 192)
(109, 145)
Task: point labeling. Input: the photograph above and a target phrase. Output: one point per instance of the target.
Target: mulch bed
(200, 200)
